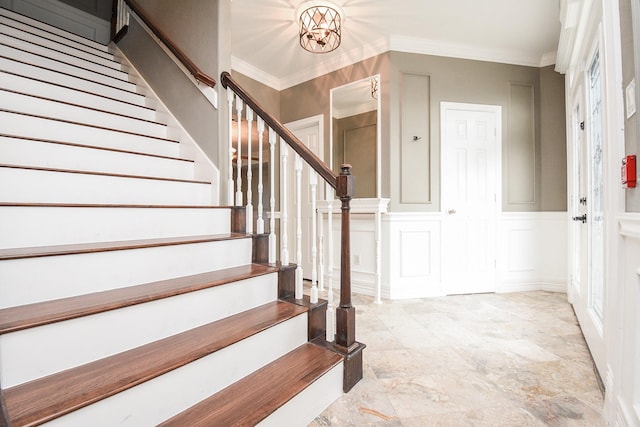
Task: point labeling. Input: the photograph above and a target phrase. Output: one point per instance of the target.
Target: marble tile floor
(515, 359)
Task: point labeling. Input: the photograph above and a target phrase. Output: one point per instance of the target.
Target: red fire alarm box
(629, 171)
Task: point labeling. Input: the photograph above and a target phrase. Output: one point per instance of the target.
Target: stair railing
(343, 339)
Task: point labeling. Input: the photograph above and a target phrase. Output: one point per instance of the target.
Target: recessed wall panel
(415, 143)
(521, 145)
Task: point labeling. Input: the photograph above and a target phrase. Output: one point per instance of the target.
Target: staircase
(126, 296)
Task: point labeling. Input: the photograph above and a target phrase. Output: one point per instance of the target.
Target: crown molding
(548, 59)
(255, 73)
(398, 44)
(462, 51)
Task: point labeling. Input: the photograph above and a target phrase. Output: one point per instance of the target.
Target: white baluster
(378, 236)
(272, 198)
(239, 156)
(331, 314)
(313, 183)
(123, 15)
(230, 189)
(260, 221)
(249, 208)
(320, 251)
(299, 287)
(284, 220)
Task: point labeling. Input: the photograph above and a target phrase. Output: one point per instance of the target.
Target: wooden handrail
(197, 73)
(307, 155)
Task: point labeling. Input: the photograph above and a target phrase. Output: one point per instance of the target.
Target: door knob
(451, 211)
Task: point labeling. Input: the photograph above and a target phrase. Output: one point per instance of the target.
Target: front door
(587, 282)
(470, 194)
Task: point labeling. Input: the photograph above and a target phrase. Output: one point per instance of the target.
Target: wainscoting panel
(628, 373)
(532, 252)
(411, 255)
(531, 255)
(63, 16)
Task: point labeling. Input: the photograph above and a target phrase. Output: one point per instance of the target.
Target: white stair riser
(59, 52)
(38, 24)
(71, 81)
(16, 151)
(50, 226)
(83, 340)
(35, 87)
(41, 128)
(30, 31)
(304, 407)
(63, 187)
(182, 388)
(112, 78)
(29, 280)
(58, 110)
(57, 46)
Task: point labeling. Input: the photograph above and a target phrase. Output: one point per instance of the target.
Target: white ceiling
(265, 42)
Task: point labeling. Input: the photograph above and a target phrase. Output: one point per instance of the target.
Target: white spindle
(321, 251)
(122, 15)
(272, 197)
(331, 315)
(249, 208)
(239, 153)
(230, 189)
(313, 184)
(260, 221)
(299, 286)
(284, 220)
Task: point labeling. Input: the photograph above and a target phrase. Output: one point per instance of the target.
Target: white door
(309, 131)
(578, 202)
(587, 295)
(470, 137)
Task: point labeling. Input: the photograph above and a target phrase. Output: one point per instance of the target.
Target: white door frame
(497, 111)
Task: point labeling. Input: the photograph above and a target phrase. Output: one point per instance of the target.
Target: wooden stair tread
(70, 55)
(50, 397)
(259, 394)
(93, 147)
(85, 248)
(37, 116)
(80, 106)
(42, 67)
(105, 205)
(13, 319)
(86, 42)
(115, 175)
(34, 31)
(144, 107)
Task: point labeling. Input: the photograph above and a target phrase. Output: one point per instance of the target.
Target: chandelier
(320, 29)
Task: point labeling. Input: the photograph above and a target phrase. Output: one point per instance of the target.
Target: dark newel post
(345, 314)
(346, 343)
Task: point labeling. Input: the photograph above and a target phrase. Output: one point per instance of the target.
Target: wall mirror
(355, 133)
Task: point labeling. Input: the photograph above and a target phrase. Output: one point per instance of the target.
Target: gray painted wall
(540, 170)
(177, 92)
(629, 72)
(478, 82)
(190, 24)
(534, 179)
